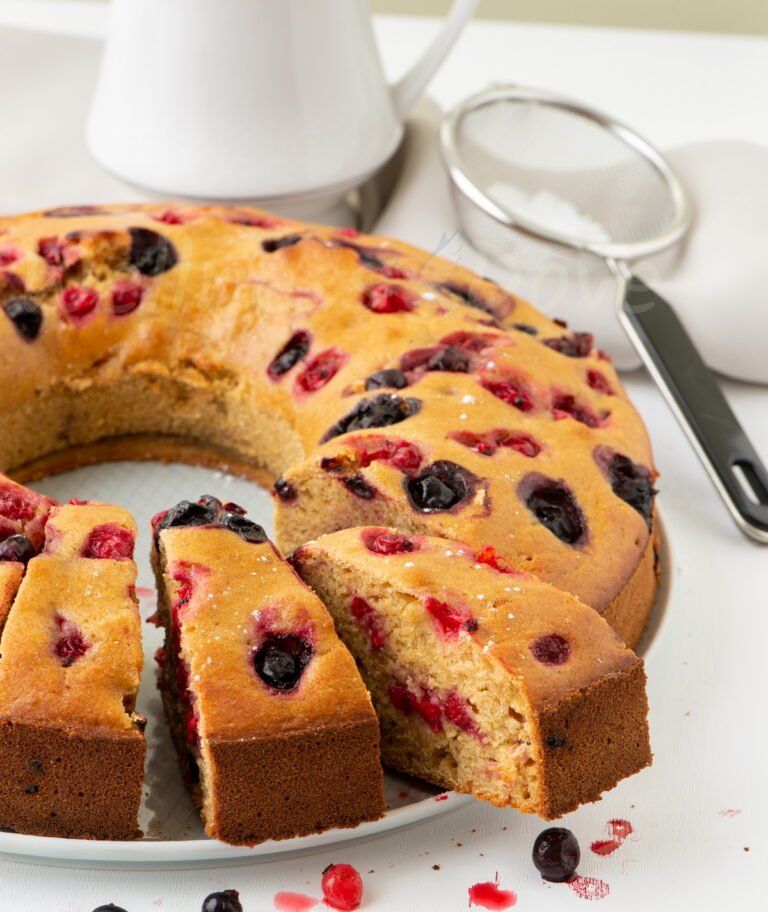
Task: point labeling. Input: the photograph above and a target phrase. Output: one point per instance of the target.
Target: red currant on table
(342, 887)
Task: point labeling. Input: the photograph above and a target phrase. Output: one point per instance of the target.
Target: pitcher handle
(406, 91)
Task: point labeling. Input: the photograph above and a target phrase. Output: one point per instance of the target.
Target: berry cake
(71, 746)
(275, 731)
(485, 679)
(229, 337)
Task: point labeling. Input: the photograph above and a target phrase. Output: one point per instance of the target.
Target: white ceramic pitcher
(251, 99)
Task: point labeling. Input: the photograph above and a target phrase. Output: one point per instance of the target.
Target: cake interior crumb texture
(473, 710)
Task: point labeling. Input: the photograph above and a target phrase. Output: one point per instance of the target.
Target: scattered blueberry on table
(225, 901)
(556, 854)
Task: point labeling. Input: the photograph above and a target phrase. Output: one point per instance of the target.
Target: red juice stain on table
(589, 887)
(489, 895)
(618, 830)
(294, 902)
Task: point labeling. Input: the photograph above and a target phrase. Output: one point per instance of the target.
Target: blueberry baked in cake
(234, 338)
(274, 729)
(71, 746)
(485, 679)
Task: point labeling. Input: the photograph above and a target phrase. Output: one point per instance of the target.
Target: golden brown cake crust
(180, 340)
(295, 784)
(594, 739)
(58, 782)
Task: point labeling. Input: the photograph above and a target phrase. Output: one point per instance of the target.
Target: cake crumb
(436, 867)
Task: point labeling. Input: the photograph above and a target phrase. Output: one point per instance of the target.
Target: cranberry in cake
(274, 728)
(485, 679)
(71, 746)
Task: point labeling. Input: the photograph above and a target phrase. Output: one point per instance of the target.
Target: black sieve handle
(698, 404)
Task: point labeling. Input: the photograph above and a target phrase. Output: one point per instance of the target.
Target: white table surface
(703, 803)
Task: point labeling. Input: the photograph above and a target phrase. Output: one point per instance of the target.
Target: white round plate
(174, 835)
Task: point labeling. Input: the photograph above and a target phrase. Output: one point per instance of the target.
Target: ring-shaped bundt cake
(377, 383)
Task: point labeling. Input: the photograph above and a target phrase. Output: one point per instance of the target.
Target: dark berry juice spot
(273, 244)
(280, 661)
(380, 411)
(441, 486)
(576, 345)
(555, 507)
(469, 341)
(629, 481)
(468, 296)
(552, 649)
(358, 486)
(224, 901)
(368, 256)
(150, 252)
(26, 315)
(526, 328)
(449, 358)
(382, 541)
(294, 350)
(556, 854)
(390, 378)
(17, 548)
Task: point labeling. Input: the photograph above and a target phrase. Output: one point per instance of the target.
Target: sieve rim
(618, 251)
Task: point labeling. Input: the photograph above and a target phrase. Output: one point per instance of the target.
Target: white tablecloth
(699, 812)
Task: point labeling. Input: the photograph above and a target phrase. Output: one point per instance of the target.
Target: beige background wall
(745, 16)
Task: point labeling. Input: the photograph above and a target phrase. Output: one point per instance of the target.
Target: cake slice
(486, 680)
(71, 747)
(274, 729)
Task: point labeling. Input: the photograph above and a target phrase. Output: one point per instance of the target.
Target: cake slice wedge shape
(274, 728)
(72, 748)
(485, 680)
